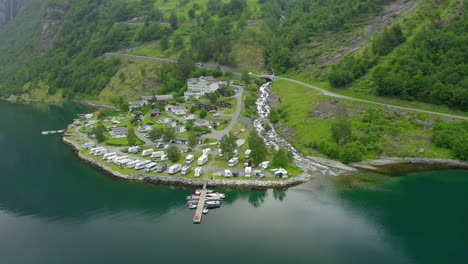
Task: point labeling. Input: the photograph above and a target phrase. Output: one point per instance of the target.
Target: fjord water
(56, 209)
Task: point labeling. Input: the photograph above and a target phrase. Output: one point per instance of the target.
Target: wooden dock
(201, 204)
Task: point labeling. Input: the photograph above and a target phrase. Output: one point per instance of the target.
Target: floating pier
(201, 204)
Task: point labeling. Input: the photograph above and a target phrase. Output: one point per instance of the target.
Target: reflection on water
(56, 209)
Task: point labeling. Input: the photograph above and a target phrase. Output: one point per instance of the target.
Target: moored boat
(205, 210)
(45, 132)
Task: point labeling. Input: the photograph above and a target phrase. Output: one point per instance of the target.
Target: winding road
(273, 77)
(332, 94)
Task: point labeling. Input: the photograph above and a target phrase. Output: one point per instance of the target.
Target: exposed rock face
(8, 10)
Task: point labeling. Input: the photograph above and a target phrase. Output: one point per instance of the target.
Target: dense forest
(60, 43)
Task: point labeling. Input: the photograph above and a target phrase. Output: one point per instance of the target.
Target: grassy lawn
(371, 97)
(121, 142)
(231, 110)
(406, 136)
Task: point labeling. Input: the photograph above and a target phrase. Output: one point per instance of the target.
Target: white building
(197, 87)
(177, 109)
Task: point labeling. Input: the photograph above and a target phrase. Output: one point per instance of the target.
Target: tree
(164, 43)
(229, 91)
(156, 134)
(132, 138)
(192, 109)
(173, 20)
(245, 77)
(168, 134)
(258, 147)
(192, 140)
(173, 153)
(203, 113)
(280, 158)
(228, 144)
(122, 76)
(191, 13)
(213, 97)
(99, 132)
(341, 128)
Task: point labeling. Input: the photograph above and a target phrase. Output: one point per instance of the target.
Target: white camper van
(233, 162)
(174, 168)
(157, 154)
(202, 160)
(248, 172)
(108, 155)
(186, 170)
(189, 159)
(151, 166)
(147, 152)
(141, 165)
(247, 154)
(198, 172)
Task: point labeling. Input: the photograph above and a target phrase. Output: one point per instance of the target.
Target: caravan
(198, 172)
(122, 162)
(93, 150)
(206, 151)
(132, 164)
(116, 160)
(108, 155)
(202, 160)
(189, 159)
(186, 170)
(174, 168)
(155, 155)
(147, 152)
(134, 149)
(247, 154)
(248, 172)
(151, 166)
(233, 162)
(141, 165)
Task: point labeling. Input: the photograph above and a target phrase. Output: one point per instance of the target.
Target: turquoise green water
(56, 209)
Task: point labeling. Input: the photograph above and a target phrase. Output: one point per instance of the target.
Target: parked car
(216, 114)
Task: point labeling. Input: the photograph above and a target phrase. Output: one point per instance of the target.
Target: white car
(216, 114)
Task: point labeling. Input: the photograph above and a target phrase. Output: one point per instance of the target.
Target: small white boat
(60, 131)
(45, 132)
(52, 132)
(192, 206)
(198, 191)
(205, 210)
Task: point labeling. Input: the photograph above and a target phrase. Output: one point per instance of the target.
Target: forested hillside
(59, 44)
(423, 58)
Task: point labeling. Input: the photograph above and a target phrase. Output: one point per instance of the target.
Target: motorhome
(112, 158)
(134, 149)
(220, 153)
(227, 173)
(100, 152)
(186, 170)
(164, 157)
(202, 160)
(265, 165)
(151, 166)
(198, 172)
(174, 168)
(206, 151)
(233, 162)
(141, 164)
(157, 154)
(247, 154)
(248, 172)
(89, 145)
(93, 150)
(280, 173)
(108, 155)
(123, 162)
(119, 158)
(147, 152)
(132, 164)
(189, 159)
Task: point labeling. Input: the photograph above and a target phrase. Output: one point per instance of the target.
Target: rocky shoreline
(181, 181)
(379, 165)
(84, 102)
